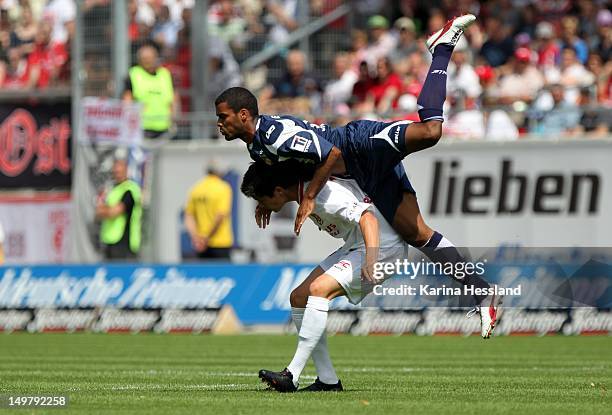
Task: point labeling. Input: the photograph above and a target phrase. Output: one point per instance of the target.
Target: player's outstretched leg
(427, 133)
(411, 226)
(441, 250)
(490, 311)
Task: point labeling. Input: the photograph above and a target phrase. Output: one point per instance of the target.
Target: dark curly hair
(261, 179)
(238, 98)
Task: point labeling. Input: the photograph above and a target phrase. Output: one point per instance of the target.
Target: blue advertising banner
(258, 293)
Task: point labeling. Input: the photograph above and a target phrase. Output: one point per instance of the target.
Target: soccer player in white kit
(344, 211)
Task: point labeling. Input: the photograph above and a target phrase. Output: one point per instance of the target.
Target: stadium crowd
(34, 43)
(527, 66)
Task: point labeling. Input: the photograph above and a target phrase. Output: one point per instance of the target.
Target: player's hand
(262, 216)
(367, 273)
(305, 209)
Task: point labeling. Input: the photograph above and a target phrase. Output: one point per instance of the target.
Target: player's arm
(308, 146)
(346, 204)
(321, 175)
(370, 231)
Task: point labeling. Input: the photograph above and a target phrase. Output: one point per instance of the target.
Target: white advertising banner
(36, 228)
(531, 193)
(110, 121)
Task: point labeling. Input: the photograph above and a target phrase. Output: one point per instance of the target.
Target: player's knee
(410, 235)
(297, 298)
(319, 289)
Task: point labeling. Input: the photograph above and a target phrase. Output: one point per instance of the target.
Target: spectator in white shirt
(61, 14)
(339, 90)
(523, 83)
(382, 42)
(573, 75)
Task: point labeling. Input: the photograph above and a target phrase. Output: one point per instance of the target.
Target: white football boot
(490, 312)
(451, 32)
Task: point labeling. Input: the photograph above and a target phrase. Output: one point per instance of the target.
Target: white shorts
(345, 267)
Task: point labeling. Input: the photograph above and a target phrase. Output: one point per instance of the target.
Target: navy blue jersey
(372, 152)
(278, 138)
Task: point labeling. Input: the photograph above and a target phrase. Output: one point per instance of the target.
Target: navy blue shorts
(373, 152)
(388, 194)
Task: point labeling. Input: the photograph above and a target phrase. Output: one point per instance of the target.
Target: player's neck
(251, 129)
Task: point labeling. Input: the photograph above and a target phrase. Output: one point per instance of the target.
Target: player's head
(273, 186)
(235, 108)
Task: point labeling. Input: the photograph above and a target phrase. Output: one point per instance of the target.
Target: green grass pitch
(193, 374)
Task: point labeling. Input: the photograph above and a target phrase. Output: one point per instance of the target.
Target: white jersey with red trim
(338, 209)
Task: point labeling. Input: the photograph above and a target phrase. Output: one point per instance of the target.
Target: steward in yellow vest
(121, 214)
(151, 85)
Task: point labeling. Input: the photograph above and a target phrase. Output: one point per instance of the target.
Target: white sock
(320, 354)
(313, 327)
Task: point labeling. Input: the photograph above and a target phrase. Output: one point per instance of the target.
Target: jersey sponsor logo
(438, 72)
(300, 144)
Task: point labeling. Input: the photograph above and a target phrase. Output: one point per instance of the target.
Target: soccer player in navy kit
(370, 152)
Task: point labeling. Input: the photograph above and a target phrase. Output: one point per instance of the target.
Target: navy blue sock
(440, 249)
(432, 96)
